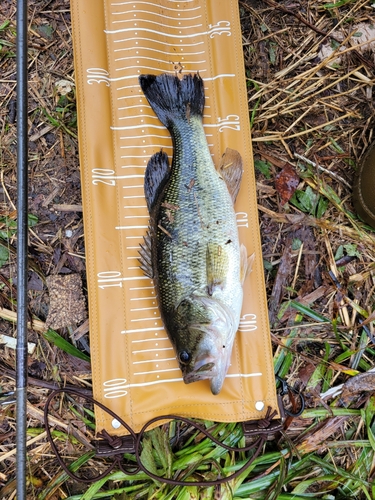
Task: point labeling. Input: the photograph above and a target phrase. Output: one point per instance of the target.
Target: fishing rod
(22, 237)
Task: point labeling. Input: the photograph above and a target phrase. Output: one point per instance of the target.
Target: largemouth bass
(192, 250)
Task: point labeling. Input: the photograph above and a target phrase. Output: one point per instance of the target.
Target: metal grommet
(116, 424)
(259, 405)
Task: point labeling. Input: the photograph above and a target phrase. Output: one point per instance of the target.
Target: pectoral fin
(230, 169)
(156, 176)
(217, 267)
(246, 263)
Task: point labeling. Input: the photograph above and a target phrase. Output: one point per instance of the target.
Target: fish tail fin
(173, 98)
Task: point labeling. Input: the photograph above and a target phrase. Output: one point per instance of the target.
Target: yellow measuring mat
(135, 371)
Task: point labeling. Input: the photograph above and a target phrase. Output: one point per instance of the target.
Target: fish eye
(184, 357)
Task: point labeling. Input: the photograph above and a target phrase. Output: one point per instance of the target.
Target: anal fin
(246, 263)
(230, 169)
(156, 176)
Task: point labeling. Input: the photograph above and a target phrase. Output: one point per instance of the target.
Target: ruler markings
(149, 372)
(152, 339)
(125, 228)
(149, 4)
(137, 217)
(138, 330)
(154, 22)
(144, 309)
(160, 52)
(123, 138)
(137, 39)
(145, 105)
(149, 30)
(153, 59)
(141, 288)
(147, 127)
(159, 360)
(144, 298)
(163, 146)
(144, 319)
(137, 116)
(134, 166)
(148, 12)
(152, 68)
(132, 107)
(156, 349)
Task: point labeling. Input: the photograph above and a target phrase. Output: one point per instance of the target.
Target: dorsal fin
(230, 169)
(156, 176)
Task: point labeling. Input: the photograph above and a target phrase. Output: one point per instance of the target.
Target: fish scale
(195, 223)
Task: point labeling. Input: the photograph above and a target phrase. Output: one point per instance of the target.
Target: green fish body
(192, 250)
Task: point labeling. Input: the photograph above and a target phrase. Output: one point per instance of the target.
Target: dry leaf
(63, 87)
(286, 183)
(67, 303)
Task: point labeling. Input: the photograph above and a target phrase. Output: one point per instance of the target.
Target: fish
(192, 250)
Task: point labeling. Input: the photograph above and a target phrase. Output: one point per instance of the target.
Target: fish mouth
(204, 368)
